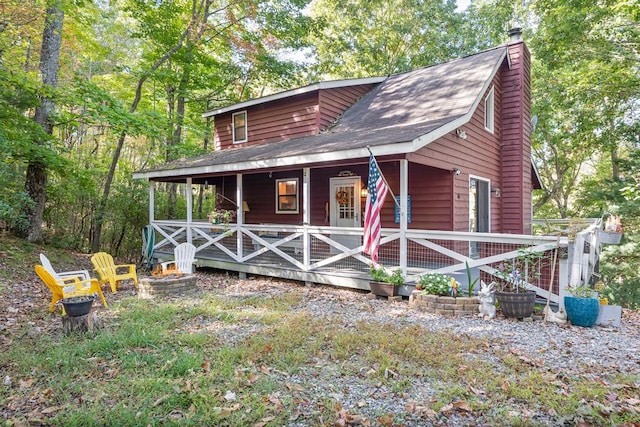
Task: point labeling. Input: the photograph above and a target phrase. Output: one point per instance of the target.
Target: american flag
(375, 199)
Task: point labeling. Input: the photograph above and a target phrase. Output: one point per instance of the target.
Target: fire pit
(167, 285)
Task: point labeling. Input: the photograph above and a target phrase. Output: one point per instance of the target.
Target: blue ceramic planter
(582, 311)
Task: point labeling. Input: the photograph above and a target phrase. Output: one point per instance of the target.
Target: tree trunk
(200, 12)
(36, 176)
(615, 167)
(176, 109)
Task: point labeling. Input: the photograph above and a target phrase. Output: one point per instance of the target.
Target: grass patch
(262, 359)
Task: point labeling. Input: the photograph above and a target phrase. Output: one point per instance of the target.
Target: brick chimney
(515, 133)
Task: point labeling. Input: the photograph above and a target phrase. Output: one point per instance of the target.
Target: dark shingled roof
(402, 108)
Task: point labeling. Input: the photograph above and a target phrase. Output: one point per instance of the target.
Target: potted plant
(612, 232)
(512, 284)
(385, 283)
(582, 305)
(221, 216)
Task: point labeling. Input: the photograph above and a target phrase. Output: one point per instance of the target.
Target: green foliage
(380, 274)
(584, 95)
(584, 291)
(619, 268)
(617, 195)
(470, 280)
(515, 274)
(358, 38)
(12, 208)
(396, 278)
(435, 284)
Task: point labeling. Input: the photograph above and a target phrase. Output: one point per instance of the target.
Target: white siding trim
(490, 111)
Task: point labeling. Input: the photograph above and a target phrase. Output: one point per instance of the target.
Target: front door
(344, 208)
(478, 211)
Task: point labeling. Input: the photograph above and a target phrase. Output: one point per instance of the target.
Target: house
(452, 140)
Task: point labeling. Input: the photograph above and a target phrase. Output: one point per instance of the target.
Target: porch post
(189, 209)
(306, 216)
(404, 192)
(239, 219)
(563, 269)
(152, 193)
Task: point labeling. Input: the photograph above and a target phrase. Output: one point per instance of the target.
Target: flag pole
(385, 180)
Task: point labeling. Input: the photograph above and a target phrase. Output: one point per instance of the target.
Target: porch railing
(338, 251)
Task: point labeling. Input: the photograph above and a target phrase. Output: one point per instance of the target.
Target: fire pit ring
(165, 286)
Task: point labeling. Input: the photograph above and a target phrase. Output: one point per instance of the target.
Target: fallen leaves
(306, 396)
(344, 418)
(459, 405)
(525, 358)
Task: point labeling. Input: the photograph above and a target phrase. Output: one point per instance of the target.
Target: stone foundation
(150, 287)
(446, 306)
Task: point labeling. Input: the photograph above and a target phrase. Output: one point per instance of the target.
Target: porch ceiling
(403, 114)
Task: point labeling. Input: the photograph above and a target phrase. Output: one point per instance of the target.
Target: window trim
(234, 127)
(490, 111)
(297, 196)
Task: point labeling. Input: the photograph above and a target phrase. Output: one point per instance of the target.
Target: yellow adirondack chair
(81, 274)
(68, 287)
(112, 273)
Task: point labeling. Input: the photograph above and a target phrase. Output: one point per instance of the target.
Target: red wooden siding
(334, 102)
(516, 143)
(294, 117)
(440, 199)
(431, 203)
(477, 155)
(259, 191)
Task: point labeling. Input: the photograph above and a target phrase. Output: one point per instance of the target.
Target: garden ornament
(487, 306)
(559, 317)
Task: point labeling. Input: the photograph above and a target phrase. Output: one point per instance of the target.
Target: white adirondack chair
(81, 274)
(184, 256)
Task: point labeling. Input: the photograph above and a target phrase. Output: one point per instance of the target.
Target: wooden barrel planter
(517, 305)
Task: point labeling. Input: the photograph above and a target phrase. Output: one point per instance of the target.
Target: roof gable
(403, 114)
(293, 92)
(426, 95)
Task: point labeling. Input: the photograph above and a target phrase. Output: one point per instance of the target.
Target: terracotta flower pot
(383, 289)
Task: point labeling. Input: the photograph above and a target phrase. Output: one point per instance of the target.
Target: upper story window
(287, 196)
(489, 111)
(239, 123)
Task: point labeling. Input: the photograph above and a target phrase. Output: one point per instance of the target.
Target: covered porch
(318, 254)
(315, 232)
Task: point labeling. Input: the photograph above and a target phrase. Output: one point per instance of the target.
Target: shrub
(380, 274)
(435, 283)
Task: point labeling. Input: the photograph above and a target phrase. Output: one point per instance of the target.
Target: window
(239, 127)
(287, 196)
(489, 111)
